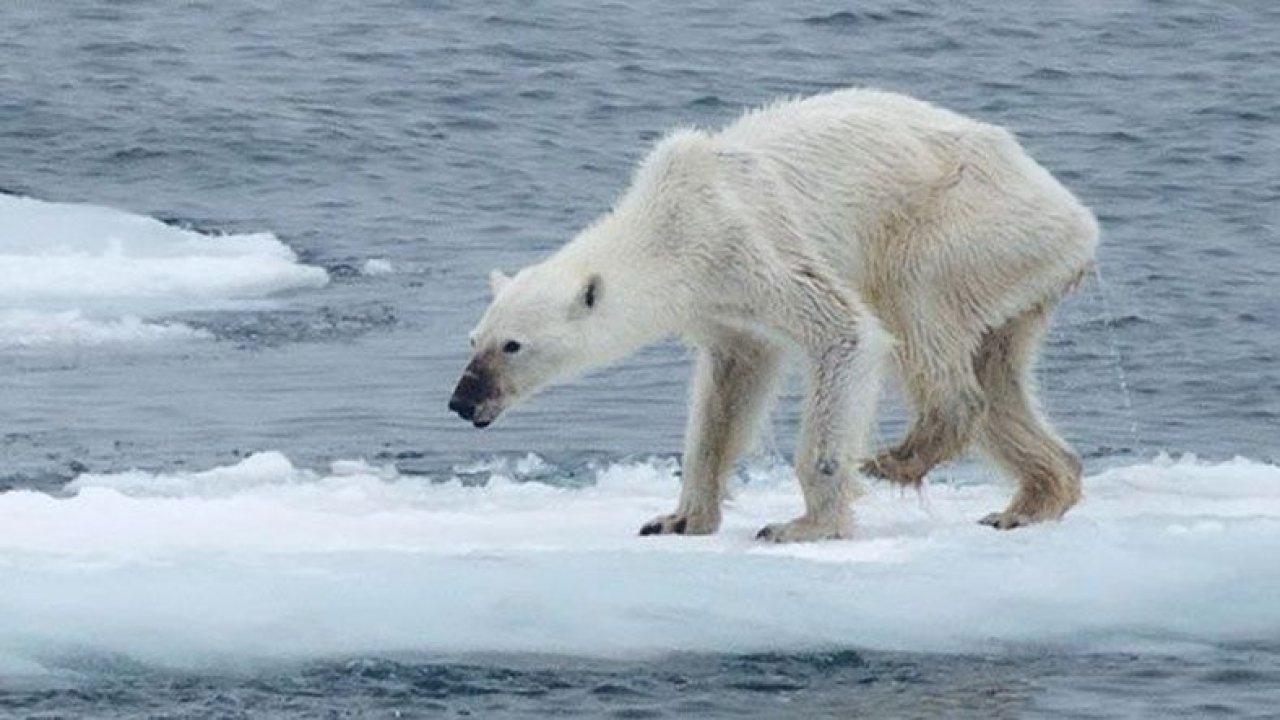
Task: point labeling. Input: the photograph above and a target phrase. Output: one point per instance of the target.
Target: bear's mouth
(485, 414)
(478, 397)
(480, 415)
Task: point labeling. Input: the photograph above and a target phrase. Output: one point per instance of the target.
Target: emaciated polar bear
(863, 229)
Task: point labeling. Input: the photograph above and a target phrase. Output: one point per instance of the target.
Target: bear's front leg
(840, 409)
(733, 381)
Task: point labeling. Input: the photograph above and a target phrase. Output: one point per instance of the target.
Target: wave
(83, 274)
(265, 560)
(847, 19)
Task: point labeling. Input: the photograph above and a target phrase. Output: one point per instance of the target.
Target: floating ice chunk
(27, 328)
(86, 274)
(377, 266)
(265, 559)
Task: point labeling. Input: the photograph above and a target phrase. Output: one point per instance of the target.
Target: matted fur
(864, 229)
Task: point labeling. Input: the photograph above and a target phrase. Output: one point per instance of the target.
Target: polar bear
(864, 231)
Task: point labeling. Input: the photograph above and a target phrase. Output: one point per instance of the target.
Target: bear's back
(784, 122)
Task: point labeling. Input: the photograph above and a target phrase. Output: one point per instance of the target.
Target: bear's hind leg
(1014, 432)
(733, 382)
(949, 405)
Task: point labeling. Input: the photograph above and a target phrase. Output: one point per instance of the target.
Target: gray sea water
(451, 137)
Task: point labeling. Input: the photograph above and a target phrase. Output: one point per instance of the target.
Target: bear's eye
(511, 347)
(592, 294)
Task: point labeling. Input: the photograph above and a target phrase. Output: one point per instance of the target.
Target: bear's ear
(497, 281)
(591, 292)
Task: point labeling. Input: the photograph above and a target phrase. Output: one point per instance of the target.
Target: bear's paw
(892, 466)
(806, 529)
(1006, 520)
(682, 523)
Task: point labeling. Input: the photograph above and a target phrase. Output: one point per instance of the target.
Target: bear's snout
(474, 388)
(466, 409)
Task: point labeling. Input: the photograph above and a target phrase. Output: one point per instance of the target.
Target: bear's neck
(635, 264)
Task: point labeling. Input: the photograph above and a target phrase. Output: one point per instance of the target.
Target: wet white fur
(861, 228)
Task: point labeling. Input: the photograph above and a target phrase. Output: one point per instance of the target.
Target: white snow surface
(264, 560)
(83, 274)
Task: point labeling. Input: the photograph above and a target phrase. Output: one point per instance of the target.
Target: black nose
(472, 390)
(462, 407)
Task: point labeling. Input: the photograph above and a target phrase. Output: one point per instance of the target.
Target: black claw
(680, 526)
(1003, 522)
(651, 529)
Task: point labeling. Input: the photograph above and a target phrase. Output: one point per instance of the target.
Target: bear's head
(542, 326)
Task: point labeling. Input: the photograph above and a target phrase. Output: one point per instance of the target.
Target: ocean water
(241, 244)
